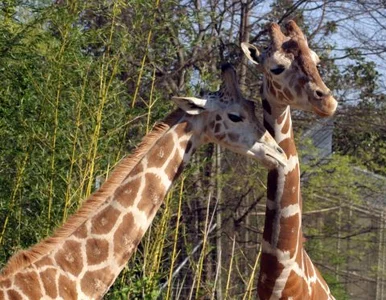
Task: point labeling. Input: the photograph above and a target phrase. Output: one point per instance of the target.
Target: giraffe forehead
(315, 57)
(293, 49)
(226, 97)
(279, 57)
(221, 97)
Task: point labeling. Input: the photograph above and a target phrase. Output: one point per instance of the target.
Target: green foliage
(140, 288)
(337, 289)
(82, 82)
(64, 115)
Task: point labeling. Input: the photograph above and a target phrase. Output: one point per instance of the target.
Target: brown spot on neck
(95, 283)
(272, 182)
(126, 194)
(153, 193)
(69, 257)
(44, 261)
(183, 128)
(125, 241)
(5, 283)
(160, 152)
(104, 221)
(266, 106)
(172, 169)
(270, 271)
(281, 118)
(97, 251)
(67, 288)
(81, 232)
(188, 147)
(29, 284)
(289, 147)
(268, 126)
(12, 294)
(48, 278)
(286, 126)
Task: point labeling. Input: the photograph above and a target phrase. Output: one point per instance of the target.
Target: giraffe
(84, 256)
(290, 79)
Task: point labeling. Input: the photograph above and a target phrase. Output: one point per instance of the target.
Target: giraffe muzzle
(274, 154)
(325, 107)
(278, 156)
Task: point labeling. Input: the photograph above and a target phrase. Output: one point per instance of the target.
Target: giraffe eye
(235, 118)
(278, 70)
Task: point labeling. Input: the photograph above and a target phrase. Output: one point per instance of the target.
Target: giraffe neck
(286, 271)
(282, 236)
(84, 264)
(282, 229)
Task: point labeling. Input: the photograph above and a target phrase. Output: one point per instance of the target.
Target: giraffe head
(225, 117)
(291, 74)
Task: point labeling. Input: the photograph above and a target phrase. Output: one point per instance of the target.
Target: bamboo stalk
(104, 87)
(205, 240)
(56, 126)
(73, 151)
(252, 277)
(174, 253)
(230, 268)
(19, 178)
(144, 58)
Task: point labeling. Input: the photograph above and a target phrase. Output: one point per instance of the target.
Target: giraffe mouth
(279, 161)
(322, 113)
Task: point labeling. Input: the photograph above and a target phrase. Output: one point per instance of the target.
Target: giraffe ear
(251, 52)
(192, 105)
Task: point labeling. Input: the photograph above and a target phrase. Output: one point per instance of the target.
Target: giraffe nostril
(280, 150)
(319, 94)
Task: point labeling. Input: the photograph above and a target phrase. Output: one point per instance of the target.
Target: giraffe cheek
(233, 137)
(288, 95)
(217, 128)
(276, 85)
(272, 91)
(298, 90)
(220, 137)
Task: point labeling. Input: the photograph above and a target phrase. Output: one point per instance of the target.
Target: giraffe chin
(322, 113)
(275, 162)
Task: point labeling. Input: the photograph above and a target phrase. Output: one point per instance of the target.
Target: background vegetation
(83, 81)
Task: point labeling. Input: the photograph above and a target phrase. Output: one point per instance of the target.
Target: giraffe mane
(24, 258)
